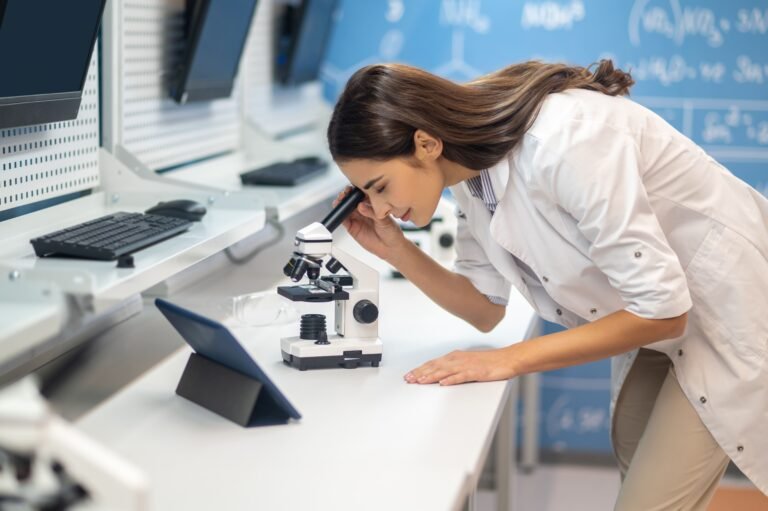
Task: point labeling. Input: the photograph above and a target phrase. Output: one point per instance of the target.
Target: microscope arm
(363, 276)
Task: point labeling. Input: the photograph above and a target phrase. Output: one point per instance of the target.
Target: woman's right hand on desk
(380, 236)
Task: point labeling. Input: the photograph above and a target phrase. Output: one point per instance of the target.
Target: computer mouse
(181, 208)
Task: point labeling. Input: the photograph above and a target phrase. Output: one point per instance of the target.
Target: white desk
(367, 440)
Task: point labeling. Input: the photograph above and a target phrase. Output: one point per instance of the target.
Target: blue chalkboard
(575, 407)
(701, 64)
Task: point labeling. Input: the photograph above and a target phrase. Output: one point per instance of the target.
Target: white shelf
(223, 173)
(30, 313)
(230, 218)
(281, 202)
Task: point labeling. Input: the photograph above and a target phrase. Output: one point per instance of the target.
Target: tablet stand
(229, 393)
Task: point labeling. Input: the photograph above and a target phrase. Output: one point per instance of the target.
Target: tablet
(214, 341)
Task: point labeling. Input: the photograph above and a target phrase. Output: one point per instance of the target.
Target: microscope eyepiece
(342, 210)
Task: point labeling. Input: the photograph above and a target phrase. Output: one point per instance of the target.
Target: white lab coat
(613, 209)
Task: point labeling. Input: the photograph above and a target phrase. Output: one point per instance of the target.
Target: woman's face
(398, 187)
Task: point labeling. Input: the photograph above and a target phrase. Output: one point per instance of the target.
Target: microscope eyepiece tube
(342, 210)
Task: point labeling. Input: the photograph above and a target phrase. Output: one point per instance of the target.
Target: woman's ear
(427, 147)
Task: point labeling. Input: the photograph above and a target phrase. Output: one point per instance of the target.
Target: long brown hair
(479, 122)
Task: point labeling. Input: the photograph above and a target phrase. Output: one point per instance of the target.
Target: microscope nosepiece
(313, 272)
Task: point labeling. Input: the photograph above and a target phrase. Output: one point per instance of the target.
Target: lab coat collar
(498, 252)
(505, 227)
(499, 175)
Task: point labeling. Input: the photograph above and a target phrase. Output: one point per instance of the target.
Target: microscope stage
(310, 293)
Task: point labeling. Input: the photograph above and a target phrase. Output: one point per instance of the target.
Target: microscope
(356, 295)
(47, 464)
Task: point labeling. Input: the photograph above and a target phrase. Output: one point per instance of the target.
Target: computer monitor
(302, 40)
(216, 33)
(45, 51)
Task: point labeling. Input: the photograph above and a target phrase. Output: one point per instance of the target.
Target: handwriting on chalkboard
(700, 64)
(464, 13)
(678, 23)
(552, 15)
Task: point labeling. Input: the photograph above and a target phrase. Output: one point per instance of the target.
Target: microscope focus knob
(445, 240)
(365, 311)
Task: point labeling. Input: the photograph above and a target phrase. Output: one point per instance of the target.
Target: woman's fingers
(342, 194)
(455, 379)
(423, 370)
(455, 367)
(356, 222)
(464, 366)
(366, 210)
(437, 375)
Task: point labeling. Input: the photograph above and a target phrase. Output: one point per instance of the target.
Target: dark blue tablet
(214, 341)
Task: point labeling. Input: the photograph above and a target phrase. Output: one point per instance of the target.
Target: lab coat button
(679, 353)
(593, 311)
(638, 254)
(559, 312)
(545, 279)
(703, 399)
(740, 448)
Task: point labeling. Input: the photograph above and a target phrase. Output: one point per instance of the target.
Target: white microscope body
(45, 463)
(356, 295)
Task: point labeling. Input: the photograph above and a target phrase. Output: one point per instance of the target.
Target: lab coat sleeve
(472, 263)
(592, 173)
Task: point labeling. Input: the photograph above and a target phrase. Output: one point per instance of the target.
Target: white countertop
(366, 440)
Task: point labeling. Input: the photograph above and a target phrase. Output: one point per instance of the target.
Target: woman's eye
(380, 190)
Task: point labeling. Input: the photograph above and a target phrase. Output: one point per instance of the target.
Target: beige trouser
(667, 457)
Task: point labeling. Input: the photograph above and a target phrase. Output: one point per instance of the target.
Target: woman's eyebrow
(371, 182)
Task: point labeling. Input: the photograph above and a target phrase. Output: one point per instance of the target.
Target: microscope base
(345, 353)
(352, 361)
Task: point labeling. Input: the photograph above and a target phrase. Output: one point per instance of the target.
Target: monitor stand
(291, 110)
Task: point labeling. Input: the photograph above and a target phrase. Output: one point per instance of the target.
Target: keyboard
(285, 173)
(109, 237)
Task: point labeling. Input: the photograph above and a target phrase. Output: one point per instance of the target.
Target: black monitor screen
(305, 37)
(216, 37)
(45, 45)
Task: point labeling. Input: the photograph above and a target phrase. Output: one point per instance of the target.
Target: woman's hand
(465, 366)
(381, 237)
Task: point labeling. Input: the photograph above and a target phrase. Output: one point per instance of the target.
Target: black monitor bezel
(3, 5)
(196, 14)
(288, 74)
(27, 110)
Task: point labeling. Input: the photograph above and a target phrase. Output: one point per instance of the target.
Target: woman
(609, 222)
